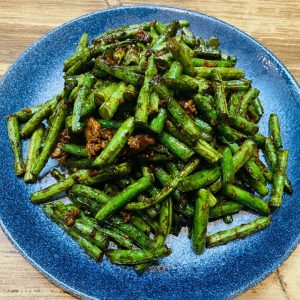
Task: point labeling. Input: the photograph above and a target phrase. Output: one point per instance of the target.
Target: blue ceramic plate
(219, 273)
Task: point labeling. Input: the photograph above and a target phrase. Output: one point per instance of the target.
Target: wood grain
(274, 23)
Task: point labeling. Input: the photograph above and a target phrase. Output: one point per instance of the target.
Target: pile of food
(157, 130)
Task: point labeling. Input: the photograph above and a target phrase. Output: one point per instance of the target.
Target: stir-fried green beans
(155, 129)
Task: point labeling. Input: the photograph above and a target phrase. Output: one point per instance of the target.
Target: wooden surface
(274, 23)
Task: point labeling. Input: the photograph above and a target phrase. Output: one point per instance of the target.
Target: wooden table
(274, 23)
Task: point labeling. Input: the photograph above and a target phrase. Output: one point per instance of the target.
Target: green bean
(88, 205)
(88, 106)
(167, 190)
(180, 86)
(207, 52)
(238, 232)
(206, 151)
(268, 174)
(163, 62)
(233, 106)
(176, 132)
(139, 237)
(113, 124)
(57, 188)
(230, 134)
(243, 154)
(57, 174)
(227, 166)
(107, 172)
(92, 250)
(85, 82)
(75, 150)
(180, 54)
(33, 152)
(121, 33)
(153, 103)
(120, 238)
(201, 146)
(25, 114)
(15, 142)
(116, 144)
(139, 223)
(199, 179)
(34, 122)
(51, 138)
(275, 131)
(188, 37)
(85, 228)
(163, 177)
(142, 106)
(89, 192)
(133, 257)
(178, 113)
(271, 155)
(245, 198)
(176, 147)
(237, 85)
(216, 186)
(119, 72)
(130, 93)
(82, 44)
(159, 27)
(212, 200)
(119, 54)
(123, 198)
(259, 140)
(153, 34)
(200, 221)
(157, 124)
(223, 209)
(165, 223)
(205, 127)
(175, 70)
(169, 31)
(243, 125)
(200, 62)
(258, 106)
(226, 73)
(252, 114)
(103, 93)
(256, 185)
(203, 84)
(206, 109)
(247, 99)
(220, 96)
(154, 157)
(110, 106)
(148, 218)
(278, 179)
(76, 163)
(254, 171)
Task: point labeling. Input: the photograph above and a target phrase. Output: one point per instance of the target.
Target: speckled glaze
(219, 273)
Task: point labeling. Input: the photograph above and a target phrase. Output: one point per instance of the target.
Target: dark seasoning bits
(158, 130)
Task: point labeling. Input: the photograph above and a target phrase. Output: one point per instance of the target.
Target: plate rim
(291, 77)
